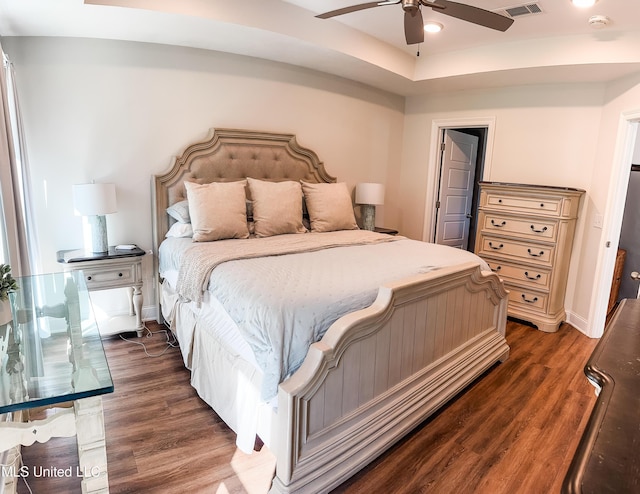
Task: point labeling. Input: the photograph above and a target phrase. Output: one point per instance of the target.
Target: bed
(324, 342)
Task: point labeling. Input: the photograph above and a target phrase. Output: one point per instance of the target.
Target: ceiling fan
(413, 24)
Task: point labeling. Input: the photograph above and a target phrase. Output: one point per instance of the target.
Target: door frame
(438, 126)
(612, 220)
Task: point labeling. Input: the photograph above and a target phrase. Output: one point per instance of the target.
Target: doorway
(630, 230)
(461, 153)
(620, 173)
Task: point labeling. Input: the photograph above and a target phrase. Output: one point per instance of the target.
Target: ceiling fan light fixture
(599, 21)
(433, 27)
(583, 4)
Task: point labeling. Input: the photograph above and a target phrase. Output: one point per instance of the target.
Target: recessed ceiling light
(584, 3)
(433, 27)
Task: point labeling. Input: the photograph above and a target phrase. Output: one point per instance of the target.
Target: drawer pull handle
(542, 204)
(496, 269)
(494, 247)
(533, 229)
(534, 278)
(532, 254)
(529, 301)
(498, 225)
(499, 201)
(120, 274)
(88, 278)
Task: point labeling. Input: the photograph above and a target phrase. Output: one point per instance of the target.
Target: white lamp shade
(94, 199)
(369, 193)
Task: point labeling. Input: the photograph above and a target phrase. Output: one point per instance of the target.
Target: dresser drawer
(513, 249)
(527, 299)
(524, 204)
(522, 227)
(523, 275)
(111, 276)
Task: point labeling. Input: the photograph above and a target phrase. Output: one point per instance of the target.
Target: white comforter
(284, 303)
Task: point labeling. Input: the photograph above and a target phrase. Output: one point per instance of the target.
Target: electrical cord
(170, 337)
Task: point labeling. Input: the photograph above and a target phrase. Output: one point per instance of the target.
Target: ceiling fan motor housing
(410, 5)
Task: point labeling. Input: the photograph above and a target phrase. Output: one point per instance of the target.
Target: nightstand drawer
(116, 268)
(109, 276)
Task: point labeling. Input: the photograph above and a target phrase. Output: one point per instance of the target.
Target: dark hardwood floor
(514, 430)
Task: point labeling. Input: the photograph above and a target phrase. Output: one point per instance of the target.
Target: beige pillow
(217, 210)
(277, 207)
(329, 207)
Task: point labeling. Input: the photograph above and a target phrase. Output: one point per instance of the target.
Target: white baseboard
(150, 313)
(580, 324)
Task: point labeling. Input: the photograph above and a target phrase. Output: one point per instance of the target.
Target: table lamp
(94, 201)
(369, 195)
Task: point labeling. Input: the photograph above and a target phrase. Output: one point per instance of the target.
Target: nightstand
(117, 268)
(388, 231)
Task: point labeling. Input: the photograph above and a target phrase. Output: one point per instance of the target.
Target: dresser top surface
(532, 186)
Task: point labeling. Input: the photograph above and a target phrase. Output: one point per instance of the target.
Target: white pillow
(180, 230)
(179, 211)
(330, 207)
(217, 210)
(277, 207)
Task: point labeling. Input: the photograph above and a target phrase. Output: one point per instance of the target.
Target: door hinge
(437, 204)
(442, 146)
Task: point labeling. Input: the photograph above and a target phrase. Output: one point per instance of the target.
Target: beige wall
(118, 111)
(543, 134)
(562, 135)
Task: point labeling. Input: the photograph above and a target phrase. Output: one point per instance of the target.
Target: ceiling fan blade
(355, 8)
(413, 26)
(471, 14)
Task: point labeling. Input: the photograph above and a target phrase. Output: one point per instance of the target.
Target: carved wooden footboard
(380, 371)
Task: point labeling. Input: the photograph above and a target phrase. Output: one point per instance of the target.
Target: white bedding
(223, 369)
(212, 316)
(283, 303)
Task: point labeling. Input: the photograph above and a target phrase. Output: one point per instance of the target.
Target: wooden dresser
(525, 233)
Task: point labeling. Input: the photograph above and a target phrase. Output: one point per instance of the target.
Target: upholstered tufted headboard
(228, 155)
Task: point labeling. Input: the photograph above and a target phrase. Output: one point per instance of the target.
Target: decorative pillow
(217, 210)
(180, 211)
(329, 207)
(277, 207)
(180, 230)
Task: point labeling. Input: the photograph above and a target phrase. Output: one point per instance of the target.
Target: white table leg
(92, 450)
(132, 310)
(86, 421)
(137, 303)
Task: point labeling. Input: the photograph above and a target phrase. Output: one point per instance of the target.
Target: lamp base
(99, 242)
(368, 216)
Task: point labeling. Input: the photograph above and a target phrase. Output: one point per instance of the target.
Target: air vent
(518, 11)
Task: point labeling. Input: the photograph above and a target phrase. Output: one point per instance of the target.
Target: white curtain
(19, 240)
(21, 250)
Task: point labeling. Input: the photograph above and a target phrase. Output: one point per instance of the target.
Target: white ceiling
(368, 46)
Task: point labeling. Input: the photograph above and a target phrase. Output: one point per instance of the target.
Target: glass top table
(51, 351)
